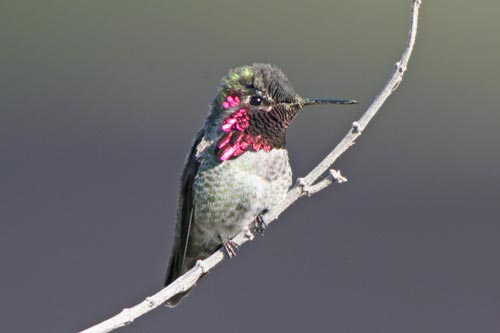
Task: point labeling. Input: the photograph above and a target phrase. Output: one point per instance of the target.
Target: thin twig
(305, 186)
(334, 176)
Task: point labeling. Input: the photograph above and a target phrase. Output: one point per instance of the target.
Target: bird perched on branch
(237, 167)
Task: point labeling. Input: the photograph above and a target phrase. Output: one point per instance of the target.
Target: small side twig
(333, 176)
(306, 186)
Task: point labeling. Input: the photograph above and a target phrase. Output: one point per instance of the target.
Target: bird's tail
(173, 272)
(173, 301)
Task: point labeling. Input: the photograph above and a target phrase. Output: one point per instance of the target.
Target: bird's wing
(185, 210)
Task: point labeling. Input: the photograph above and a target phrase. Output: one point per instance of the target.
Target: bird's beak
(308, 101)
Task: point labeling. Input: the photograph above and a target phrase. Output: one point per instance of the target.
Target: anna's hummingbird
(237, 167)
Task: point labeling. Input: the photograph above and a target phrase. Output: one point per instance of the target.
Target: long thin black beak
(308, 101)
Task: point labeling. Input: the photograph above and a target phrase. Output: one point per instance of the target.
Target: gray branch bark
(318, 179)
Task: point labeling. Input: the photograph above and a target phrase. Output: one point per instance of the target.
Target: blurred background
(99, 102)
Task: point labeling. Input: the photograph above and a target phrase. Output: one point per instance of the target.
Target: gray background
(99, 101)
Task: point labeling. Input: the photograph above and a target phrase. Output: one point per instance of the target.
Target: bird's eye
(255, 100)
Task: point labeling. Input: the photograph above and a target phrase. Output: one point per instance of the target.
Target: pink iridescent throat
(236, 141)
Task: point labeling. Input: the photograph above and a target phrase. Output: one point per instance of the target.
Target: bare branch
(305, 186)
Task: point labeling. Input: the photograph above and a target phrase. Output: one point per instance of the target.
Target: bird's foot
(230, 247)
(260, 225)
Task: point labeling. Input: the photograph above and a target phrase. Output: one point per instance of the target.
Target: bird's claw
(260, 225)
(230, 247)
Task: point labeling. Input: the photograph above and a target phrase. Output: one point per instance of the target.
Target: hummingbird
(237, 168)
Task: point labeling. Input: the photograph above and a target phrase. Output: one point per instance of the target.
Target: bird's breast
(230, 194)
